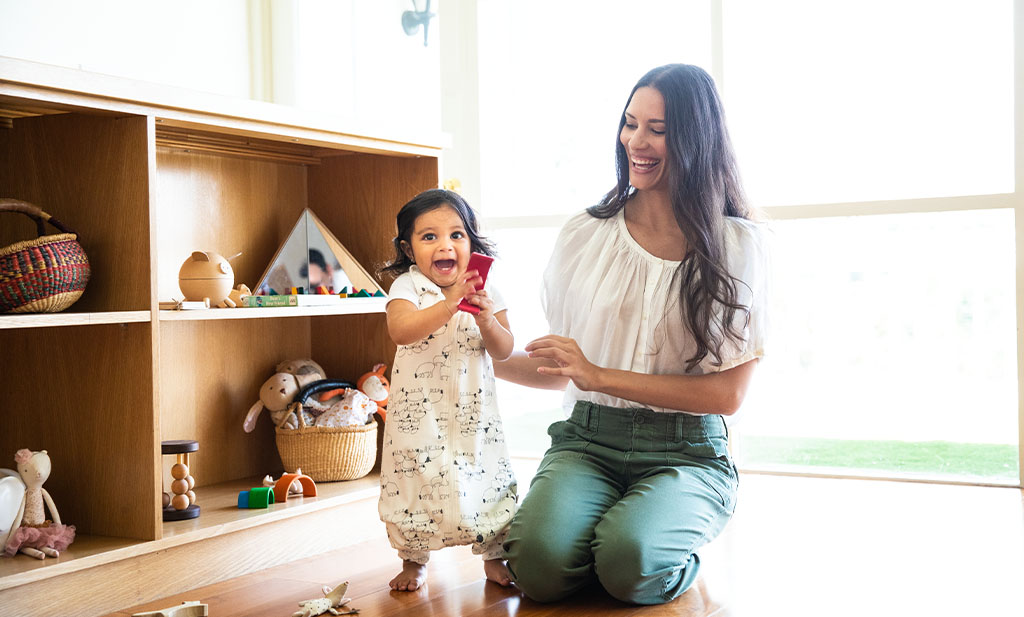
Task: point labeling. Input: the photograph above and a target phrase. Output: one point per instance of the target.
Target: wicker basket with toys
(323, 426)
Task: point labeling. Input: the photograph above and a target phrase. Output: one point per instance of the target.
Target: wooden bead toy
(182, 504)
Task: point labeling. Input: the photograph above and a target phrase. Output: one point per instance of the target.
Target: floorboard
(797, 546)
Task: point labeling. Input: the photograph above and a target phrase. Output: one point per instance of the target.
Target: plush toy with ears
(276, 394)
(304, 369)
(375, 385)
(31, 533)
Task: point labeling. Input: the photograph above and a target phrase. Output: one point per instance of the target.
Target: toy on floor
(30, 532)
(294, 489)
(291, 484)
(256, 498)
(333, 598)
(375, 385)
(185, 609)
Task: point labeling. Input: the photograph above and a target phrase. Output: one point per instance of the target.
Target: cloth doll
(31, 533)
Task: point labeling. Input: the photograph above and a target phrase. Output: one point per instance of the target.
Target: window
(879, 139)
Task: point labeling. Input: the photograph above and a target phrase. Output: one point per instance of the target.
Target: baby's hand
(463, 287)
(480, 299)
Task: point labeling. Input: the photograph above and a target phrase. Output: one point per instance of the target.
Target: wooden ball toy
(182, 505)
(180, 502)
(179, 471)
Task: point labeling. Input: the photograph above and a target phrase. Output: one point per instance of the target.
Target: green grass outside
(527, 433)
(942, 458)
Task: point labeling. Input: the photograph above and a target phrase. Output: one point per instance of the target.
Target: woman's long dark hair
(705, 189)
(423, 203)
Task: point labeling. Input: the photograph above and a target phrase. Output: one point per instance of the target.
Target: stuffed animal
(305, 370)
(31, 533)
(375, 385)
(276, 394)
(332, 600)
(343, 407)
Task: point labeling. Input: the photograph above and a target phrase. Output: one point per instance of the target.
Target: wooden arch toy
(281, 486)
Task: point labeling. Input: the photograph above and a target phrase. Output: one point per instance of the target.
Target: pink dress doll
(31, 533)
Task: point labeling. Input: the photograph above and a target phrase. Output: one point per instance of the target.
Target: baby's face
(440, 245)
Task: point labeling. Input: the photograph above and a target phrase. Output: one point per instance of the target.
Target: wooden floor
(797, 546)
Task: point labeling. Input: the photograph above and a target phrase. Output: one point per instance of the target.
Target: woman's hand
(565, 353)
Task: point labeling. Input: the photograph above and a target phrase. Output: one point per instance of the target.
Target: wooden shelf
(219, 515)
(145, 175)
(47, 320)
(348, 306)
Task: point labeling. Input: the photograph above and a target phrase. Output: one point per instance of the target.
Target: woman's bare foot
(411, 578)
(496, 571)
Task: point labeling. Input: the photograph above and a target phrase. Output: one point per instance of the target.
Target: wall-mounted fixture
(412, 20)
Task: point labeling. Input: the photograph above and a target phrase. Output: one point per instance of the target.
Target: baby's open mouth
(445, 265)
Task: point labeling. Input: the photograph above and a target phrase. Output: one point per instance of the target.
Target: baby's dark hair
(423, 203)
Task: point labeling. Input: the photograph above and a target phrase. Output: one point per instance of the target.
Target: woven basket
(45, 275)
(326, 454)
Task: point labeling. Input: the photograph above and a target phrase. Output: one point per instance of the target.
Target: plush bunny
(276, 394)
(31, 533)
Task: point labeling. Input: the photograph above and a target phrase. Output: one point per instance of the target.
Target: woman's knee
(633, 571)
(544, 567)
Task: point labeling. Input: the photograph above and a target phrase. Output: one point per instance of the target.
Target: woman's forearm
(521, 369)
(714, 393)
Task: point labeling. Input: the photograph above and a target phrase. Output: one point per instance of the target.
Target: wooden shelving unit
(146, 174)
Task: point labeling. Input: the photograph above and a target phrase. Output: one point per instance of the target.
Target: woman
(655, 298)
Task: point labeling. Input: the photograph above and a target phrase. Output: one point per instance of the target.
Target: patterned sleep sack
(446, 477)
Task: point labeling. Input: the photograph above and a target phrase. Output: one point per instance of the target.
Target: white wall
(191, 43)
(348, 58)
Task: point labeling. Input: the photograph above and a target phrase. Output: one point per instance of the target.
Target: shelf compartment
(224, 542)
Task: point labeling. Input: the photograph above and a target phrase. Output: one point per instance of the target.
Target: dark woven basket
(45, 275)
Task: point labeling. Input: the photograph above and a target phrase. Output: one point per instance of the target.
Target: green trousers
(626, 496)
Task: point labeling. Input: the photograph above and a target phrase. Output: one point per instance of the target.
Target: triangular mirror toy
(310, 257)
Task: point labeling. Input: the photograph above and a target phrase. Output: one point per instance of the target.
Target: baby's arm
(408, 324)
(497, 336)
(494, 328)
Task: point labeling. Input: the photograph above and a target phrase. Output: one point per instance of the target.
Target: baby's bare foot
(411, 578)
(496, 571)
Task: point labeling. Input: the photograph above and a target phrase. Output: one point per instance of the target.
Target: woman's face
(643, 136)
(440, 245)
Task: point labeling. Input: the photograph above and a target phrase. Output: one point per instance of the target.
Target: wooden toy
(482, 264)
(207, 275)
(182, 505)
(30, 532)
(185, 609)
(332, 600)
(239, 293)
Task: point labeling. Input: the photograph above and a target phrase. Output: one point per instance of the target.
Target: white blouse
(619, 303)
